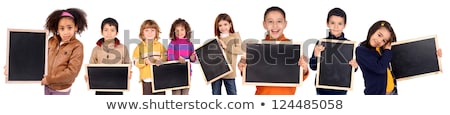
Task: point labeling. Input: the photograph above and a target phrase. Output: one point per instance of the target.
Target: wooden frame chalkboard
(273, 63)
(108, 77)
(26, 55)
(415, 57)
(171, 75)
(213, 63)
(333, 68)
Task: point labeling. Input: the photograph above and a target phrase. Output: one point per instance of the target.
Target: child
(336, 22)
(65, 52)
(231, 43)
(180, 48)
(374, 57)
(275, 22)
(109, 50)
(149, 52)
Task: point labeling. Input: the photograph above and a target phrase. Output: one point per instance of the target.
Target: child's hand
(181, 60)
(147, 61)
(318, 49)
(388, 46)
(6, 71)
(221, 43)
(353, 63)
(158, 62)
(438, 53)
(44, 80)
(193, 56)
(86, 78)
(242, 64)
(129, 74)
(302, 63)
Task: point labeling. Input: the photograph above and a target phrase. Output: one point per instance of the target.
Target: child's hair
(111, 22)
(78, 16)
(274, 8)
(180, 22)
(149, 24)
(219, 18)
(337, 12)
(377, 25)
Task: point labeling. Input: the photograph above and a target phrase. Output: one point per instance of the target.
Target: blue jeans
(321, 91)
(230, 86)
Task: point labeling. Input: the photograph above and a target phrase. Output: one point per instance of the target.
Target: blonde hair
(149, 24)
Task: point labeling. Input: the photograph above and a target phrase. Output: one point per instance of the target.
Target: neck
(108, 41)
(223, 35)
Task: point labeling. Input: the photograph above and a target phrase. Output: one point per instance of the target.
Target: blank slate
(333, 68)
(171, 75)
(108, 77)
(26, 55)
(212, 61)
(415, 58)
(273, 63)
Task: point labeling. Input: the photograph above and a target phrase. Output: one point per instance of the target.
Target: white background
(306, 20)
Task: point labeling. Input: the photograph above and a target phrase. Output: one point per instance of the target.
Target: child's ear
(264, 24)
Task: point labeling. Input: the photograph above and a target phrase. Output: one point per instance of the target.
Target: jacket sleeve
(163, 52)
(93, 59)
(137, 60)
(191, 50)
(170, 52)
(126, 57)
(235, 44)
(313, 60)
(73, 67)
(371, 61)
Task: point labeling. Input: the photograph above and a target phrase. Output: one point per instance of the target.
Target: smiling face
(224, 27)
(149, 33)
(66, 29)
(336, 24)
(180, 31)
(274, 23)
(380, 38)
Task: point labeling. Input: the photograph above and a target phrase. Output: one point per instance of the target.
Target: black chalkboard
(415, 57)
(171, 75)
(212, 61)
(108, 77)
(26, 55)
(273, 64)
(333, 68)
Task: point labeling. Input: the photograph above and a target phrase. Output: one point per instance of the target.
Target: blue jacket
(373, 67)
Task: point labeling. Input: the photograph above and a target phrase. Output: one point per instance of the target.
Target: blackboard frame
(172, 88)
(205, 69)
(415, 40)
(112, 66)
(300, 82)
(8, 37)
(319, 64)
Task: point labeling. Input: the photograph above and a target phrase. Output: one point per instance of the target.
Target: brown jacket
(64, 62)
(233, 48)
(109, 53)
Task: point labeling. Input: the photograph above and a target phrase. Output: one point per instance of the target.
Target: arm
(138, 61)
(170, 52)
(193, 55)
(93, 59)
(236, 48)
(126, 58)
(72, 69)
(371, 61)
